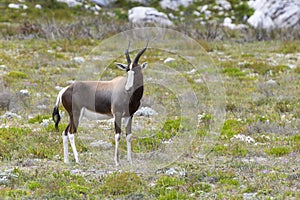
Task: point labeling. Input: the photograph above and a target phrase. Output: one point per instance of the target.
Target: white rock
(10, 115)
(3, 67)
(172, 16)
(193, 71)
(78, 60)
(4, 126)
(249, 196)
(75, 171)
(169, 60)
(71, 3)
(144, 2)
(102, 144)
(98, 8)
(275, 14)
(204, 8)
(196, 13)
(25, 92)
(58, 88)
(14, 6)
(171, 171)
(228, 23)
(242, 138)
(38, 6)
(104, 3)
(207, 14)
(227, 20)
(140, 15)
(224, 4)
(45, 122)
(145, 111)
(70, 81)
(174, 171)
(42, 107)
(174, 4)
(272, 83)
(7, 175)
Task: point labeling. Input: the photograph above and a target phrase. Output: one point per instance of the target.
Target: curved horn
(127, 54)
(136, 60)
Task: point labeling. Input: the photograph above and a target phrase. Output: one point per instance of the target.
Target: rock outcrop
(270, 14)
(174, 4)
(144, 15)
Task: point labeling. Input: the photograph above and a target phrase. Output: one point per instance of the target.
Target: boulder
(144, 2)
(17, 6)
(5, 100)
(174, 4)
(71, 3)
(145, 111)
(275, 14)
(10, 115)
(141, 15)
(224, 4)
(228, 23)
(104, 3)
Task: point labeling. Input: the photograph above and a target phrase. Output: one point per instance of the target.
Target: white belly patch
(91, 115)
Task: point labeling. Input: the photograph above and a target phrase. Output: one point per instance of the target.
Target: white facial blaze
(130, 79)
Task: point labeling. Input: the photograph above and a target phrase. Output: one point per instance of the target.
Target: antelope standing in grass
(118, 98)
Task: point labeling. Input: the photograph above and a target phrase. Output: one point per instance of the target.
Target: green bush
(17, 74)
(289, 47)
(11, 142)
(168, 187)
(233, 72)
(232, 127)
(121, 184)
(38, 119)
(279, 151)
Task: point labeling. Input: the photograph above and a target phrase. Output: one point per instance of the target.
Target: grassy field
(256, 156)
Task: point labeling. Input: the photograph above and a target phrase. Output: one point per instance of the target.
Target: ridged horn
(127, 54)
(136, 60)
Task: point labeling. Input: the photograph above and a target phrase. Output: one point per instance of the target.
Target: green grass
(38, 119)
(232, 168)
(279, 151)
(232, 127)
(118, 184)
(289, 47)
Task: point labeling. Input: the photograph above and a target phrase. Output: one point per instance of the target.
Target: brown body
(118, 98)
(104, 97)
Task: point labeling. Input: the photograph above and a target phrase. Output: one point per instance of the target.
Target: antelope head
(131, 66)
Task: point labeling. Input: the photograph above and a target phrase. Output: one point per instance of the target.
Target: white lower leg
(128, 139)
(72, 141)
(66, 151)
(117, 140)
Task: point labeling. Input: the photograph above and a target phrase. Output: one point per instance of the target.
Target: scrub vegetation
(257, 155)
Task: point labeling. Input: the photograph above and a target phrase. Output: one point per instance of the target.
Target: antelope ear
(121, 66)
(144, 65)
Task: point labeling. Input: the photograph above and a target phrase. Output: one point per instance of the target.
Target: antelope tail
(55, 115)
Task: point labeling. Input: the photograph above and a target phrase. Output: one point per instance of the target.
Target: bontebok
(118, 98)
